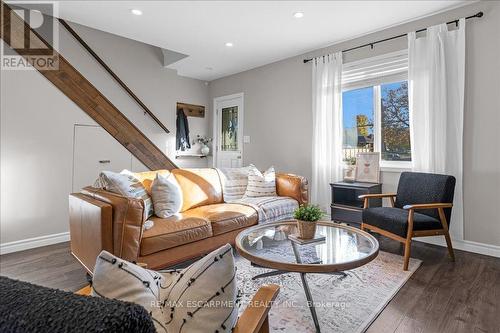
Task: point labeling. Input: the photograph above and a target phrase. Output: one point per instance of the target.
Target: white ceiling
(261, 31)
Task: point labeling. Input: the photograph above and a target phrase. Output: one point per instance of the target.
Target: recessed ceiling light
(298, 14)
(229, 44)
(136, 12)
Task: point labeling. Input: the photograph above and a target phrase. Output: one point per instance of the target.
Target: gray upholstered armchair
(421, 207)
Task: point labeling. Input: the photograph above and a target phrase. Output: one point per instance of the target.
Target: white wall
(37, 126)
(278, 112)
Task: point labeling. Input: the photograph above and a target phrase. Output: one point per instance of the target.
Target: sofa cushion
(199, 187)
(176, 230)
(395, 220)
(271, 209)
(226, 217)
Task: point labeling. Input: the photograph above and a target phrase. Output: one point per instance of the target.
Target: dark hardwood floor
(50, 266)
(442, 296)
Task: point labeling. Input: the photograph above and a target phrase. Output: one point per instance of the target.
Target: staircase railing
(83, 93)
(113, 74)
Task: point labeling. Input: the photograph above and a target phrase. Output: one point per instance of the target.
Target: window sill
(395, 169)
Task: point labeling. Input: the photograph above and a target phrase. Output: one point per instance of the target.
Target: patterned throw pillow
(200, 298)
(126, 184)
(167, 196)
(234, 182)
(261, 185)
(119, 279)
(204, 296)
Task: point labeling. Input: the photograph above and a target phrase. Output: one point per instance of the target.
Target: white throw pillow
(203, 298)
(234, 182)
(126, 184)
(261, 185)
(200, 298)
(119, 279)
(167, 196)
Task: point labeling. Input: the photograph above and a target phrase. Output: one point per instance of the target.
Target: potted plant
(203, 141)
(307, 216)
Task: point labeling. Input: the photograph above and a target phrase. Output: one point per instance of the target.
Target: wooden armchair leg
(409, 235)
(442, 216)
(448, 244)
(407, 254)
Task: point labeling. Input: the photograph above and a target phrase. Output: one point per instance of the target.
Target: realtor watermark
(30, 34)
(190, 304)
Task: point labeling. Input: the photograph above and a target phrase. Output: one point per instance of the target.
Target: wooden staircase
(15, 31)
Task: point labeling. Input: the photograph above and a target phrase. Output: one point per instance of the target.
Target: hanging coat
(182, 134)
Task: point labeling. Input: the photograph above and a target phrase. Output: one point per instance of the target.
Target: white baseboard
(464, 245)
(31, 243)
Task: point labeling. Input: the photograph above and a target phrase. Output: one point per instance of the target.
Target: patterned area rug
(343, 304)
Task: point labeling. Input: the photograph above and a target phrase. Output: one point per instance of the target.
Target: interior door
(229, 131)
(94, 150)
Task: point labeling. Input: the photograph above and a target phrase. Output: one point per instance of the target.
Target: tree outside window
(395, 122)
(360, 128)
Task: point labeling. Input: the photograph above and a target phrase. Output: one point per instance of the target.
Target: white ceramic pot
(205, 150)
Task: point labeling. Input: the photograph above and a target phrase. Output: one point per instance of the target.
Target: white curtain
(436, 98)
(327, 127)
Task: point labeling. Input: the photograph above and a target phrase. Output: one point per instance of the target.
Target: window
(375, 110)
(229, 137)
(395, 122)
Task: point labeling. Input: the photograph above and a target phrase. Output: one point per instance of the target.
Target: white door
(228, 129)
(95, 150)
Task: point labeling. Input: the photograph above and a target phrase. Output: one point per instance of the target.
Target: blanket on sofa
(270, 209)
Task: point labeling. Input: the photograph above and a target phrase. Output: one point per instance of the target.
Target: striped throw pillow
(261, 185)
(126, 184)
(234, 182)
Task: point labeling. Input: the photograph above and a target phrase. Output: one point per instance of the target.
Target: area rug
(343, 304)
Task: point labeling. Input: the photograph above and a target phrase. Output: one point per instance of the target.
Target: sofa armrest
(290, 185)
(128, 221)
(90, 227)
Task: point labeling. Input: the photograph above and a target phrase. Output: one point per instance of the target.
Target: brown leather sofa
(101, 220)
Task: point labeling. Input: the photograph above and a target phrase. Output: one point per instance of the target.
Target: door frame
(241, 115)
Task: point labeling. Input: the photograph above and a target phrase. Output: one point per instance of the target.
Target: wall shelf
(190, 156)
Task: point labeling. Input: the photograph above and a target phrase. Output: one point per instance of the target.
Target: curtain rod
(479, 14)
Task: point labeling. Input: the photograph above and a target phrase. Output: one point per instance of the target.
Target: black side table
(346, 207)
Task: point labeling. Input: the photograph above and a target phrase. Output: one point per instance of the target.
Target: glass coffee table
(335, 249)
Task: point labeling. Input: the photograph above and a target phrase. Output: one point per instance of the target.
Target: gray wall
(278, 112)
(37, 126)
